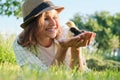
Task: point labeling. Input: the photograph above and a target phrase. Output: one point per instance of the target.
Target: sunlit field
(13, 72)
(101, 68)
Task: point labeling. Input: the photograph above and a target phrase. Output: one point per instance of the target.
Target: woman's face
(50, 27)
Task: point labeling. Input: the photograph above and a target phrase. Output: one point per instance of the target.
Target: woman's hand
(80, 40)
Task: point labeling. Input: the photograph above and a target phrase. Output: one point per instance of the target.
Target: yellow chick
(73, 28)
(71, 24)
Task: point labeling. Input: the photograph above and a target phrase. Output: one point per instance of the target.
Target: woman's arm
(63, 47)
(60, 55)
(76, 59)
(75, 43)
(76, 55)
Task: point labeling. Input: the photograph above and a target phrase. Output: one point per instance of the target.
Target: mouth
(51, 30)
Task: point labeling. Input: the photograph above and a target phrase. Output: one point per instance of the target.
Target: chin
(52, 36)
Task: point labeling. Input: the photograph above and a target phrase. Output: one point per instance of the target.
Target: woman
(40, 42)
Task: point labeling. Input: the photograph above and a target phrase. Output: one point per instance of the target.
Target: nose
(52, 22)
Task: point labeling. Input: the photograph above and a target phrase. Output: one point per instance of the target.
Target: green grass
(102, 69)
(13, 72)
(6, 49)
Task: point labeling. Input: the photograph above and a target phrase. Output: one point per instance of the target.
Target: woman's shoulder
(18, 48)
(16, 45)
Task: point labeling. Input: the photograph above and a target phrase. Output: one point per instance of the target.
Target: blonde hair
(30, 34)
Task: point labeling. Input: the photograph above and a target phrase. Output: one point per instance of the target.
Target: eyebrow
(47, 14)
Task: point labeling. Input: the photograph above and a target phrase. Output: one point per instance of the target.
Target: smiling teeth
(51, 30)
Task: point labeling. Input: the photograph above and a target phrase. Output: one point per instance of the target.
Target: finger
(77, 42)
(85, 43)
(86, 36)
(82, 43)
(73, 41)
(94, 34)
(91, 37)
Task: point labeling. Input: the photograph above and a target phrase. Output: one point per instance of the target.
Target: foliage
(105, 26)
(101, 65)
(6, 51)
(10, 7)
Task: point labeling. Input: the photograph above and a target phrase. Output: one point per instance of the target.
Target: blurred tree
(116, 24)
(10, 7)
(106, 37)
(106, 27)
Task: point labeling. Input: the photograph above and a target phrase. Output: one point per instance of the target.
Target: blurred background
(99, 16)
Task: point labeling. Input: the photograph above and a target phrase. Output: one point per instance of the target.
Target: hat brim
(57, 8)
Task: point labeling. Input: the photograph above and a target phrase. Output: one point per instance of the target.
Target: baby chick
(73, 28)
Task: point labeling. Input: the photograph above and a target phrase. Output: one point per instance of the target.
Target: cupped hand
(80, 40)
(88, 37)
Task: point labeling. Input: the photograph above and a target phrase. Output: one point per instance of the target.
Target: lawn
(10, 71)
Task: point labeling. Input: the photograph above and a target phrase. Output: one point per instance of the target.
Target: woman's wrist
(74, 63)
(61, 51)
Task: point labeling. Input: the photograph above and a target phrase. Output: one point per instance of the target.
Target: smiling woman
(39, 43)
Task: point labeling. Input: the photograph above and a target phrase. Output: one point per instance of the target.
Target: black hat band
(38, 9)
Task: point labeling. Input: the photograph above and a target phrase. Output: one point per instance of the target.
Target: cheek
(57, 23)
(46, 23)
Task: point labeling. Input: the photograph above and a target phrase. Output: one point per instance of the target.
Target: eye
(46, 18)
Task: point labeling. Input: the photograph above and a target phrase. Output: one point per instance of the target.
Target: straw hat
(33, 8)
